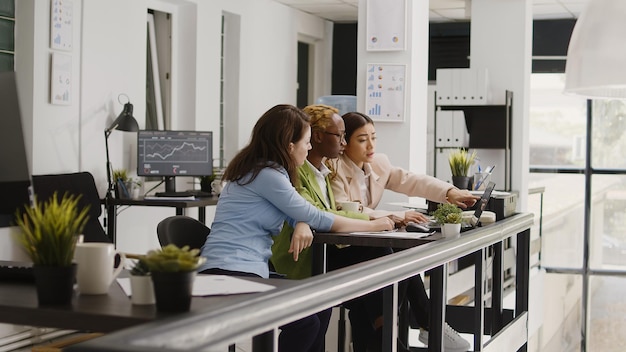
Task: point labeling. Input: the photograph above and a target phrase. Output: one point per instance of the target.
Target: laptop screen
(481, 204)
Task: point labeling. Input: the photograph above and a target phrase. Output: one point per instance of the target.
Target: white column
(404, 142)
(501, 41)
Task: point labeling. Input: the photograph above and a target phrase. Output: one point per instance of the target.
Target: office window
(608, 226)
(561, 137)
(609, 134)
(7, 35)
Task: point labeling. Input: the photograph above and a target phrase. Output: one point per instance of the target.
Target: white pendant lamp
(596, 57)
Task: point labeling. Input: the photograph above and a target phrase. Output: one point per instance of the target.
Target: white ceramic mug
(217, 186)
(142, 290)
(350, 206)
(96, 270)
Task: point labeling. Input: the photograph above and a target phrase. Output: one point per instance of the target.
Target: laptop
(481, 204)
(474, 221)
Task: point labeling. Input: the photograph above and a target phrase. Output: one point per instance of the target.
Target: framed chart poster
(385, 92)
(386, 25)
(61, 23)
(61, 79)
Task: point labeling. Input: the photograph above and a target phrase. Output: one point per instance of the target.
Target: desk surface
(198, 202)
(399, 239)
(97, 313)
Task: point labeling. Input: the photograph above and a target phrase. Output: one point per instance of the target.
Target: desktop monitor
(14, 170)
(169, 154)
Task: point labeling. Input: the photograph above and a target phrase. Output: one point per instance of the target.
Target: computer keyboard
(16, 272)
(189, 193)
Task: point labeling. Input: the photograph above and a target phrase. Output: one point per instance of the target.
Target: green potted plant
(449, 216)
(173, 271)
(49, 232)
(206, 182)
(141, 287)
(460, 161)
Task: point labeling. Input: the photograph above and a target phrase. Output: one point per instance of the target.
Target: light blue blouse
(247, 216)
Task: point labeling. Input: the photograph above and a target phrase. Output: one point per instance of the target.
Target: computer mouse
(415, 227)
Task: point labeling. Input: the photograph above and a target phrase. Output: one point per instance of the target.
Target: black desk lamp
(124, 122)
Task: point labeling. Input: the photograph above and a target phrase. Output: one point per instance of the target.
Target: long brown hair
(354, 121)
(269, 145)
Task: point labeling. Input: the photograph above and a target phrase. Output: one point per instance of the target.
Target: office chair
(78, 183)
(182, 231)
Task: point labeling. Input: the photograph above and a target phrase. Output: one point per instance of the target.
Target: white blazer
(384, 176)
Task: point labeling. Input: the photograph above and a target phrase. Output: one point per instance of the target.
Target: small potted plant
(460, 162)
(49, 232)
(173, 271)
(207, 182)
(449, 216)
(141, 287)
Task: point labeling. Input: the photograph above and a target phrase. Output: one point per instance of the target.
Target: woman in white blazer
(360, 174)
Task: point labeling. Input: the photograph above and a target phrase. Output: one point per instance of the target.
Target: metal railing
(224, 325)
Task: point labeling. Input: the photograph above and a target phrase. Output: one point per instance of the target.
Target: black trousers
(306, 335)
(365, 310)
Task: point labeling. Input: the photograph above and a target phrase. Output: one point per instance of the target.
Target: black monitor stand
(170, 184)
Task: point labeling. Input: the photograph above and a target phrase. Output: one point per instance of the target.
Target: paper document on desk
(213, 285)
(393, 233)
(169, 198)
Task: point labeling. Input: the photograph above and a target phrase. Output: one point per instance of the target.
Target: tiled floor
(607, 327)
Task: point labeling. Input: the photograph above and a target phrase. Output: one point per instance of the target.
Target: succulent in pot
(173, 271)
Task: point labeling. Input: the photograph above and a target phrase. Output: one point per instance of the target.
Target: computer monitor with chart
(169, 154)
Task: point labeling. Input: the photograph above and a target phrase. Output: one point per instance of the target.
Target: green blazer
(309, 189)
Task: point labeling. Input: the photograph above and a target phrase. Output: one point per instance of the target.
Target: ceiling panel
(440, 10)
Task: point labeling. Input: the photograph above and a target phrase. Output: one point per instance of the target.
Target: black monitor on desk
(169, 154)
(14, 169)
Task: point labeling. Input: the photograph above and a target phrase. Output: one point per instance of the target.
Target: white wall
(109, 58)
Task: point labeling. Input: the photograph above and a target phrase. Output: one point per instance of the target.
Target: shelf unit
(489, 127)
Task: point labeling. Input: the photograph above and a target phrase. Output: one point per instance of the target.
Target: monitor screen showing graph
(174, 153)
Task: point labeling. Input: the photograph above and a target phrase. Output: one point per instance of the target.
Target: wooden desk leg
(111, 223)
(438, 278)
(479, 299)
(318, 258)
(202, 215)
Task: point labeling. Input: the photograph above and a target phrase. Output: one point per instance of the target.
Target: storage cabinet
(484, 128)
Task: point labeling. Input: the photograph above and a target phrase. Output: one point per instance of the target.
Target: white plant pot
(142, 291)
(450, 230)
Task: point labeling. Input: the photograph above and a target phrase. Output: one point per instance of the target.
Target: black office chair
(78, 183)
(182, 231)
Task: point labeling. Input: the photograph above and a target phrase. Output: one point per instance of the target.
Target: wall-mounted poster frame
(61, 23)
(386, 25)
(61, 79)
(385, 92)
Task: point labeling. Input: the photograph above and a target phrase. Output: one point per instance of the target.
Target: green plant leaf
(50, 229)
(460, 161)
(172, 259)
(447, 213)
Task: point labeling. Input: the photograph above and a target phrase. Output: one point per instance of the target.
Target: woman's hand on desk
(461, 197)
(382, 224)
(414, 216)
(302, 238)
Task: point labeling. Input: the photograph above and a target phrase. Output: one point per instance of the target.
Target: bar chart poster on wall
(384, 94)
